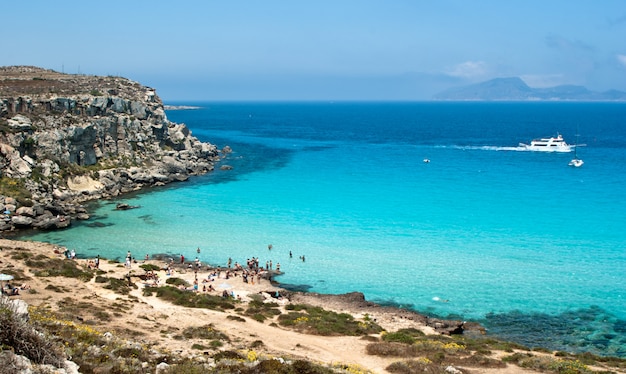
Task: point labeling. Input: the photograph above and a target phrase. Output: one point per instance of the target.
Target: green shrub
(228, 355)
(415, 366)
(191, 299)
(15, 188)
(177, 282)
(391, 349)
(236, 318)
(150, 267)
(317, 321)
(55, 267)
(400, 337)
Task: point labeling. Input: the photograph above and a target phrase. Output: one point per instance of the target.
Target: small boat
(576, 162)
(552, 144)
(426, 160)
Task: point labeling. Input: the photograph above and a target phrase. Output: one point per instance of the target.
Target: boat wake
(494, 148)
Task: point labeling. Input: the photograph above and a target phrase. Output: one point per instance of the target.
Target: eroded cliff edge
(66, 139)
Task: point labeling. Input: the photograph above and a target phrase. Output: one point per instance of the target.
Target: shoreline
(152, 321)
(353, 303)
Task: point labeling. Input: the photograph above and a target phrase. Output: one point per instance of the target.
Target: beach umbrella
(4, 278)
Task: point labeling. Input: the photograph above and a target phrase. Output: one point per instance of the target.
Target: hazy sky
(321, 49)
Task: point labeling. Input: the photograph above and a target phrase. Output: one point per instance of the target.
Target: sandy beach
(151, 320)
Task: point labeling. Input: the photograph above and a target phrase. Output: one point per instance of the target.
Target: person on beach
(182, 259)
(278, 267)
(97, 262)
(230, 262)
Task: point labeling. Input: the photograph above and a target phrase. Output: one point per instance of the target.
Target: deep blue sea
(532, 248)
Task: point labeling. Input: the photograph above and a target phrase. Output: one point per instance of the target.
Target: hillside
(515, 89)
(66, 139)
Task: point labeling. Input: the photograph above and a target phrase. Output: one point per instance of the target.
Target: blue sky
(323, 49)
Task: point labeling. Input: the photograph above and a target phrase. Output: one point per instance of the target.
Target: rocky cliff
(66, 139)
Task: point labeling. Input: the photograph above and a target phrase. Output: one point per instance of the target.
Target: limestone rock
(21, 221)
(96, 137)
(20, 122)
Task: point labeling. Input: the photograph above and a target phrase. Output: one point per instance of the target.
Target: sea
(429, 206)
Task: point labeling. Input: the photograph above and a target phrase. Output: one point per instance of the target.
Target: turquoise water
(516, 240)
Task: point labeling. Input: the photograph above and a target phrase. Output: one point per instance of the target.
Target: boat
(576, 162)
(552, 144)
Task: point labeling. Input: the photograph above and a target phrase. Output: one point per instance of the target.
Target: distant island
(515, 89)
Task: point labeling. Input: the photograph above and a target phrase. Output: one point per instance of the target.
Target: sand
(145, 317)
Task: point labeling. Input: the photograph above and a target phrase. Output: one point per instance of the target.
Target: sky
(324, 49)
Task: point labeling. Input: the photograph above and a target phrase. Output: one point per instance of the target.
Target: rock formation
(66, 139)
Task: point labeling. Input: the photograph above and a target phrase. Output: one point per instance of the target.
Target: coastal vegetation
(189, 298)
(316, 320)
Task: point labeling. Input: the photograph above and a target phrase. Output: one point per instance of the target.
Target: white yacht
(552, 144)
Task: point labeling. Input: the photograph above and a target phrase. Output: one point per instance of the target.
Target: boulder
(21, 221)
(45, 222)
(445, 327)
(20, 308)
(162, 368)
(71, 367)
(25, 211)
(82, 216)
(20, 122)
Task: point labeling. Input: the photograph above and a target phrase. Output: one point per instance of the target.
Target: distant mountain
(514, 89)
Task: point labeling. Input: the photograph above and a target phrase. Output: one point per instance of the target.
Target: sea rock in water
(124, 206)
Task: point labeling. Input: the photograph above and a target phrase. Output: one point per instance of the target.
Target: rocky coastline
(66, 139)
